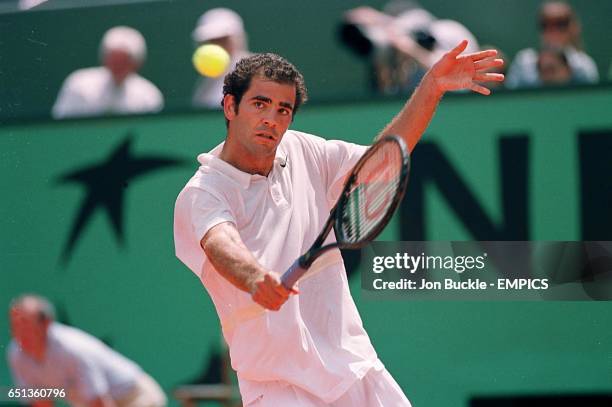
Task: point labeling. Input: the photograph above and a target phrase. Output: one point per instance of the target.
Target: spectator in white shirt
(46, 354)
(559, 28)
(113, 88)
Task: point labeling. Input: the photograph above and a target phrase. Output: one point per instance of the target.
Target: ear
(229, 107)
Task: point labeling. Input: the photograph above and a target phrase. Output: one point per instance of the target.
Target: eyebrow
(268, 100)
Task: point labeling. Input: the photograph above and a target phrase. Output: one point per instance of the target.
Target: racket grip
(293, 274)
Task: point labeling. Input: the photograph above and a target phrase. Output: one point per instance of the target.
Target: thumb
(458, 49)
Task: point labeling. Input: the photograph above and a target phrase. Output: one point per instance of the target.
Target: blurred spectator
(115, 87)
(553, 67)
(223, 27)
(559, 28)
(46, 354)
(402, 42)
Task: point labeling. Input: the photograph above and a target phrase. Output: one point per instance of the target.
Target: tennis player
(258, 201)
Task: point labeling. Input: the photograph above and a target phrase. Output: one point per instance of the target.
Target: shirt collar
(212, 160)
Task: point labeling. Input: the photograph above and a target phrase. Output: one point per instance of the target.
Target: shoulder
(578, 57)
(293, 137)
(70, 343)
(87, 77)
(210, 181)
(143, 84)
(526, 55)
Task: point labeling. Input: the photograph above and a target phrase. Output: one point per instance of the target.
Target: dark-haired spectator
(113, 88)
(553, 67)
(560, 28)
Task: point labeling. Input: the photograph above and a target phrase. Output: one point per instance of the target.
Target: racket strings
(373, 192)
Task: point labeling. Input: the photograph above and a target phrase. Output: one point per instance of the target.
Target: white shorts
(376, 389)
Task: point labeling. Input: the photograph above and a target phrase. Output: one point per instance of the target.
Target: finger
(477, 56)
(480, 89)
(489, 77)
(273, 282)
(268, 302)
(458, 49)
(272, 295)
(488, 63)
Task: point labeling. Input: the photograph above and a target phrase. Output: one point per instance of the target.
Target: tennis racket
(371, 194)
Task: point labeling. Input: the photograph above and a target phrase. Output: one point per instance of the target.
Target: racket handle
(293, 274)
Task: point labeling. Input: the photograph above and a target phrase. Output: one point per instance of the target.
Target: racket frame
(291, 276)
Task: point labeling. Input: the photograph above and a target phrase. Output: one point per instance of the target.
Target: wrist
(432, 86)
(256, 278)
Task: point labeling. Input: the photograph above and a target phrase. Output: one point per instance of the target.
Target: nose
(270, 121)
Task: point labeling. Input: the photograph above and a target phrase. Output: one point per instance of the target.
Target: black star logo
(106, 183)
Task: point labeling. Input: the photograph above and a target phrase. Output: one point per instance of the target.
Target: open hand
(454, 71)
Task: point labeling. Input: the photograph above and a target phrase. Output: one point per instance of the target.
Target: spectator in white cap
(113, 88)
(223, 27)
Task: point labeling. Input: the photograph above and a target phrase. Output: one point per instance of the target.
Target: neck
(233, 153)
(250, 167)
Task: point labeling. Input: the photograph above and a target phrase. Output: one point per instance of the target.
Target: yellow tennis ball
(211, 60)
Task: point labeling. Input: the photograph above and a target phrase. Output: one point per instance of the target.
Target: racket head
(372, 192)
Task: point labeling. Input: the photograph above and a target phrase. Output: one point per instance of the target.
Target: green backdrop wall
(117, 276)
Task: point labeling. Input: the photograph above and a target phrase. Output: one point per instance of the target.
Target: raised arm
(452, 72)
(234, 261)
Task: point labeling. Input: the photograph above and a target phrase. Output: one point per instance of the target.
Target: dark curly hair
(269, 66)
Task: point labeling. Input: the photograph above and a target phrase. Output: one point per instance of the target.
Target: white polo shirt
(316, 341)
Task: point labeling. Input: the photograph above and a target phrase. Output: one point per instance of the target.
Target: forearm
(231, 258)
(412, 121)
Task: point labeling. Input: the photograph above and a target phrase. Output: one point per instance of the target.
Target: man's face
(552, 69)
(264, 114)
(120, 63)
(27, 329)
(557, 26)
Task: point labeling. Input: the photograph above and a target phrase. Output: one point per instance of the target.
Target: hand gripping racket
(371, 194)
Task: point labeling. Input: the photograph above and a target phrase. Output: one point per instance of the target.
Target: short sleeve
(207, 211)
(195, 213)
(340, 158)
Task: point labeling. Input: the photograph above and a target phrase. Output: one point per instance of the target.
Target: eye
(258, 104)
(284, 112)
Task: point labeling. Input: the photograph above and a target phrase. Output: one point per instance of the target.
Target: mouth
(267, 136)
